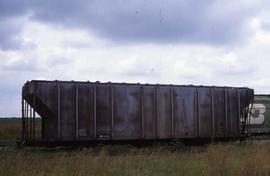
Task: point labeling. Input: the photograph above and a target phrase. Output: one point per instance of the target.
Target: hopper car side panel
(219, 112)
(149, 112)
(85, 114)
(126, 120)
(185, 116)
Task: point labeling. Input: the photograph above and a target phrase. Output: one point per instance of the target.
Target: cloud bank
(152, 21)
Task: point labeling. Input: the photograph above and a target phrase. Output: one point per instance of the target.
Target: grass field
(216, 159)
(10, 128)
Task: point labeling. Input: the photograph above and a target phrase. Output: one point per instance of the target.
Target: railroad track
(259, 137)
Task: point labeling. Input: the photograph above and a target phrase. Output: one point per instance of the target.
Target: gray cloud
(11, 24)
(152, 21)
(13, 8)
(9, 34)
(158, 21)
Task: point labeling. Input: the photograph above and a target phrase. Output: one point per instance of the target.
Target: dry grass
(218, 159)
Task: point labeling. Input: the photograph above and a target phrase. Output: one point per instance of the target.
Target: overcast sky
(209, 42)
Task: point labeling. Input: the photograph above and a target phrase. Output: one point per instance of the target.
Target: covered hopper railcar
(94, 111)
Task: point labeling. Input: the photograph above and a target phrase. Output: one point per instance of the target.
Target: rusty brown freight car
(94, 111)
